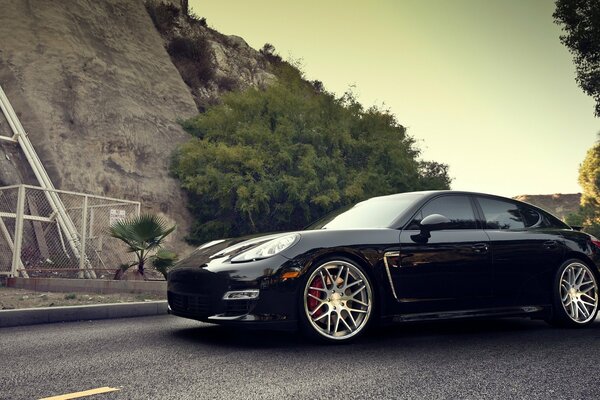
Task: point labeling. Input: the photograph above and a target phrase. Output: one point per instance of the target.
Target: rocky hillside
(99, 91)
(558, 204)
(209, 62)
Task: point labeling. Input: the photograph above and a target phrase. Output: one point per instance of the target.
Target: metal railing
(34, 241)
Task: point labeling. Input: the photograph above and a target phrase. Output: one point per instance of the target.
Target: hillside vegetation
(588, 214)
(277, 158)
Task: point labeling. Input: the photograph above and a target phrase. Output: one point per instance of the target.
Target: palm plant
(163, 260)
(143, 235)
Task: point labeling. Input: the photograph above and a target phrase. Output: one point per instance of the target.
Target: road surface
(168, 357)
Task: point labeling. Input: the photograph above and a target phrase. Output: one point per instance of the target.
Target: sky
(484, 86)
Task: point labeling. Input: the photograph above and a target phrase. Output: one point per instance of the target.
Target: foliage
(278, 158)
(142, 234)
(268, 51)
(192, 53)
(163, 15)
(193, 57)
(227, 83)
(589, 180)
(163, 260)
(192, 17)
(580, 19)
(588, 215)
(574, 219)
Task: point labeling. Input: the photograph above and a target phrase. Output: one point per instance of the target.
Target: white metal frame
(65, 222)
(20, 216)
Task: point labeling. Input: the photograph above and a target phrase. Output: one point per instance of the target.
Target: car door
(525, 250)
(451, 268)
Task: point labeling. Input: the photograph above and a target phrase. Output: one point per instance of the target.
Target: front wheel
(337, 301)
(575, 295)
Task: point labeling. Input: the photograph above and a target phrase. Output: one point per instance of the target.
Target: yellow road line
(85, 393)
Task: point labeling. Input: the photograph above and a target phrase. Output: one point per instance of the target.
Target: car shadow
(216, 335)
(406, 334)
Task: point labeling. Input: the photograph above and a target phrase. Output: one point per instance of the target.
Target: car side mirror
(435, 222)
(431, 223)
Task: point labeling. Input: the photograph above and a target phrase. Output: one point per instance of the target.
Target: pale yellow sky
(483, 85)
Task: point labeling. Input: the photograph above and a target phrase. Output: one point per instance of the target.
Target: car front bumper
(197, 293)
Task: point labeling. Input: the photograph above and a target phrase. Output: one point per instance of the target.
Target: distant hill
(558, 204)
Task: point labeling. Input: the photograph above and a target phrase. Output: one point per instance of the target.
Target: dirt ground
(11, 298)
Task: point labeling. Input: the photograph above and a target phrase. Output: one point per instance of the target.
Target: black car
(404, 257)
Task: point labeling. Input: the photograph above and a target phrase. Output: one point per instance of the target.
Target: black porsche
(404, 257)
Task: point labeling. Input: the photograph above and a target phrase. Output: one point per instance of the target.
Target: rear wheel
(337, 301)
(575, 295)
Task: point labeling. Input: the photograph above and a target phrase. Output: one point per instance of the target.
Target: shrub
(227, 83)
(193, 18)
(143, 235)
(163, 260)
(163, 15)
(318, 85)
(193, 59)
(277, 159)
(588, 215)
(268, 51)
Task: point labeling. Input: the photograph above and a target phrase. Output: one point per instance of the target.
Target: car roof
(429, 193)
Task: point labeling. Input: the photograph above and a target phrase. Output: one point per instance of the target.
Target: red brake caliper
(314, 303)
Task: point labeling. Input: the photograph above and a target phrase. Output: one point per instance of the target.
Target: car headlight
(268, 249)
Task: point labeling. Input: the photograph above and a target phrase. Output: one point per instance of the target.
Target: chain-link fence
(55, 233)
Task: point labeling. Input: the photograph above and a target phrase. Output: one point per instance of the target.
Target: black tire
(574, 295)
(340, 312)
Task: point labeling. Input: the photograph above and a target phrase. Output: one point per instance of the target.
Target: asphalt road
(171, 358)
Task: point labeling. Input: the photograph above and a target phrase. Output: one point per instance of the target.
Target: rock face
(226, 62)
(235, 60)
(100, 90)
(558, 204)
(100, 98)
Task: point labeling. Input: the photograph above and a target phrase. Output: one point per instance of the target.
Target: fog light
(249, 294)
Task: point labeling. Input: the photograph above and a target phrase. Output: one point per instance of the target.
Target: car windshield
(378, 212)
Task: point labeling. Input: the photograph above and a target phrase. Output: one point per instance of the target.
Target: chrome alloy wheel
(579, 292)
(338, 300)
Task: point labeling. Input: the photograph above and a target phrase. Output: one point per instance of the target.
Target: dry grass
(11, 298)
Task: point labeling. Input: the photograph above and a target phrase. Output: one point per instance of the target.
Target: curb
(87, 285)
(44, 315)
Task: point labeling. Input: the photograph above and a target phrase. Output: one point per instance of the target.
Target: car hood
(225, 248)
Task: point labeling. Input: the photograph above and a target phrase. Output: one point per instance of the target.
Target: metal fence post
(82, 256)
(16, 256)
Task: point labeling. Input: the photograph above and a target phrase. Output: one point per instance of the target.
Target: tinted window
(378, 212)
(538, 219)
(531, 218)
(502, 214)
(457, 208)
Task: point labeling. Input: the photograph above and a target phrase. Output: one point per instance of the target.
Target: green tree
(278, 158)
(580, 20)
(143, 235)
(589, 179)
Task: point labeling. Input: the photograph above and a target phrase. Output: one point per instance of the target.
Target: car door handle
(550, 245)
(480, 248)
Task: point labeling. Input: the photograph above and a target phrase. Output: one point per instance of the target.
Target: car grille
(189, 304)
(237, 307)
